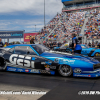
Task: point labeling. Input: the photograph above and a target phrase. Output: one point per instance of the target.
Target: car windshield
(40, 48)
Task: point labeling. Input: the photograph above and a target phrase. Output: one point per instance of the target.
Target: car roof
(11, 46)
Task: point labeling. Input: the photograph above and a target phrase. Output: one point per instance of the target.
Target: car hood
(89, 49)
(56, 54)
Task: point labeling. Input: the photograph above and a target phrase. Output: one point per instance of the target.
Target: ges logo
(21, 60)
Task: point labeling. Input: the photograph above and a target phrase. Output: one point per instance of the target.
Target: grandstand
(81, 17)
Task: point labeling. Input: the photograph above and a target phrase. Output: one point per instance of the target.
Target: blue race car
(36, 58)
(86, 51)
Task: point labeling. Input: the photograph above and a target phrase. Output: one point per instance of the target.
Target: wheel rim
(97, 55)
(3, 64)
(65, 70)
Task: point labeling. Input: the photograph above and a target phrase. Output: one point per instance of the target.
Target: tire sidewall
(69, 74)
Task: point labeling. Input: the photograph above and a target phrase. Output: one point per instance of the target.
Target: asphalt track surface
(57, 87)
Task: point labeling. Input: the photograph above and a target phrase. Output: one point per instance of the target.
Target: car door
(23, 57)
(15, 56)
(84, 50)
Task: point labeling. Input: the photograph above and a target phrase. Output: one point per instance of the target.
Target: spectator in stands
(98, 45)
(93, 45)
(89, 44)
(6, 44)
(1, 43)
(32, 40)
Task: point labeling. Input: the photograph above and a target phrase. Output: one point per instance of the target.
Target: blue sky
(25, 14)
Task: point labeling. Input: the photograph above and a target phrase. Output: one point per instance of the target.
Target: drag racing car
(36, 58)
(86, 51)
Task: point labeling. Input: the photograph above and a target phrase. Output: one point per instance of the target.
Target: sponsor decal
(43, 63)
(52, 67)
(21, 60)
(68, 61)
(77, 70)
(34, 71)
(48, 62)
(61, 61)
(45, 72)
(26, 70)
(47, 66)
(20, 70)
(82, 75)
(11, 69)
(89, 75)
(47, 69)
(56, 60)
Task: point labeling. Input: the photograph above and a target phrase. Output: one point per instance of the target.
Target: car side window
(30, 51)
(20, 50)
(11, 50)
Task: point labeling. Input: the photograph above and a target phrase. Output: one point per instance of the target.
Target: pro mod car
(36, 58)
(87, 51)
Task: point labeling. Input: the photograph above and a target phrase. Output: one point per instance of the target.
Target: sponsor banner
(11, 34)
(27, 36)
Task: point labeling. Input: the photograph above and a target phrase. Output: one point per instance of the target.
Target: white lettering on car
(11, 58)
(21, 61)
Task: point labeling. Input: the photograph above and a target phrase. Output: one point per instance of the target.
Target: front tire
(2, 64)
(65, 70)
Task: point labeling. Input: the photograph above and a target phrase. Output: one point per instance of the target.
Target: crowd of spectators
(51, 45)
(64, 25)
(69, 23)
(49, 27)
(92, 28)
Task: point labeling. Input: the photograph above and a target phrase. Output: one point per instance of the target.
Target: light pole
(44, 12)
(35, 28)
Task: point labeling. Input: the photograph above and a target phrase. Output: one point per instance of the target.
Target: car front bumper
(95, 73)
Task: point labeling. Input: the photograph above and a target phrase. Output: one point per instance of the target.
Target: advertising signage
(27, 36)
(67, 0)
(11, 34)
